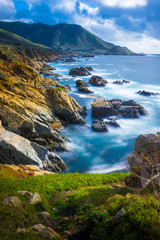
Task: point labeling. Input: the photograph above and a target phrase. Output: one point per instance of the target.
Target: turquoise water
(106, 152)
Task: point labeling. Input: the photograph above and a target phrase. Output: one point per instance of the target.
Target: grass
(82, 204)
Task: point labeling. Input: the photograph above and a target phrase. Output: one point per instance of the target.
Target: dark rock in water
(119, 82)
(88, 55)
(80, 83)
(82, 71)
(102, 108)
(69, 60)
(147, 94)
(113, 123)
(97, 81)
(90, 68)
(129, 109)
(99, 126)
(84, 89)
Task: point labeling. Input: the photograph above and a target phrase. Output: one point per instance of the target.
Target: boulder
(18, 150)
(34, 198)
(98, 81)
(80, 83)
(45, 232)
(13, 201)
(144, 161)
(102, 108)
(147, 94)
(84, 89)
(112, 123)
(45, 216)
(99, 126)
(82, 71)
(128, 109)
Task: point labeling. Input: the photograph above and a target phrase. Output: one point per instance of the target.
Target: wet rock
(112, 123)
(99, 126)
(88, 55)
(98, 81)
(102, 108)
(147, 94)
(13, 201)
(82, 71)
(128, 109)
(34, 198)
(121, 82)
(84, 89)
(80, 83)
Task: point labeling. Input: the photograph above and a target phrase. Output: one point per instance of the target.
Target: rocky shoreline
(45, 108)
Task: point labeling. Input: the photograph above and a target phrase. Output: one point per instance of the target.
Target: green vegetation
(66, 37)
(85, 205)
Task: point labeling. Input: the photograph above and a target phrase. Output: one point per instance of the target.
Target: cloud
(109, 31)
(123, 3)
(7, 9)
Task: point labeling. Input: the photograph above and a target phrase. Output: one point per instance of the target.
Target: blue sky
(131, 23)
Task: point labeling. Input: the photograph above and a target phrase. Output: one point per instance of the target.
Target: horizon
(132, 24)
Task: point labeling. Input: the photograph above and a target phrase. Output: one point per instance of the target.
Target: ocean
(97, 152)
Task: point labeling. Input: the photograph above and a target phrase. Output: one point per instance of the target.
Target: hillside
(66, 37)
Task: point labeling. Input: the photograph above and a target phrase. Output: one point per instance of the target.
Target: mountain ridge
(72, 38)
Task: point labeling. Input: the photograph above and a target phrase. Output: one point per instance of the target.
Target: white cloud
(7, 9)
(90, 10)
(109, 31)
(123, 3)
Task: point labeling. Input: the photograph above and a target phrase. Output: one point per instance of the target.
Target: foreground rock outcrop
(18, 150)
(144, 161)
(105, 108)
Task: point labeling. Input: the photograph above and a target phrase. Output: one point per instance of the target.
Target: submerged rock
(98, 81)
(99, 126)
(128, 109)
(82, 71)
(18, 150)
(147, 94)
(119, 82)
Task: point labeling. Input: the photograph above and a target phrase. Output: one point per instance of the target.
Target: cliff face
(33, 106)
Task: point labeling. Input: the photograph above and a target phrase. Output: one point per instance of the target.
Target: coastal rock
(98, 81)
(128, 109)
(99, 126)
(147, 94)
(102, 108)
(84, 89)
(82, 71)
(18, 150)
(112, 123)
(80, 83)
(88, 55)
(144, 161)
(13, 201)
(119, 82)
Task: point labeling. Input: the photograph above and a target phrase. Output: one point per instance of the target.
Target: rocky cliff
(30, 105)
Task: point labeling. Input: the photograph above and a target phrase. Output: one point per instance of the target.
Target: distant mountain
(67, 37)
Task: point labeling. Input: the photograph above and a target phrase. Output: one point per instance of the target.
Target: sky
(131, 23)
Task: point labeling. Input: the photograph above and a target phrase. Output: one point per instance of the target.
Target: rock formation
(82, 71)
(98, 81)
(144, 161)
(18, 150)
(128, 109)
